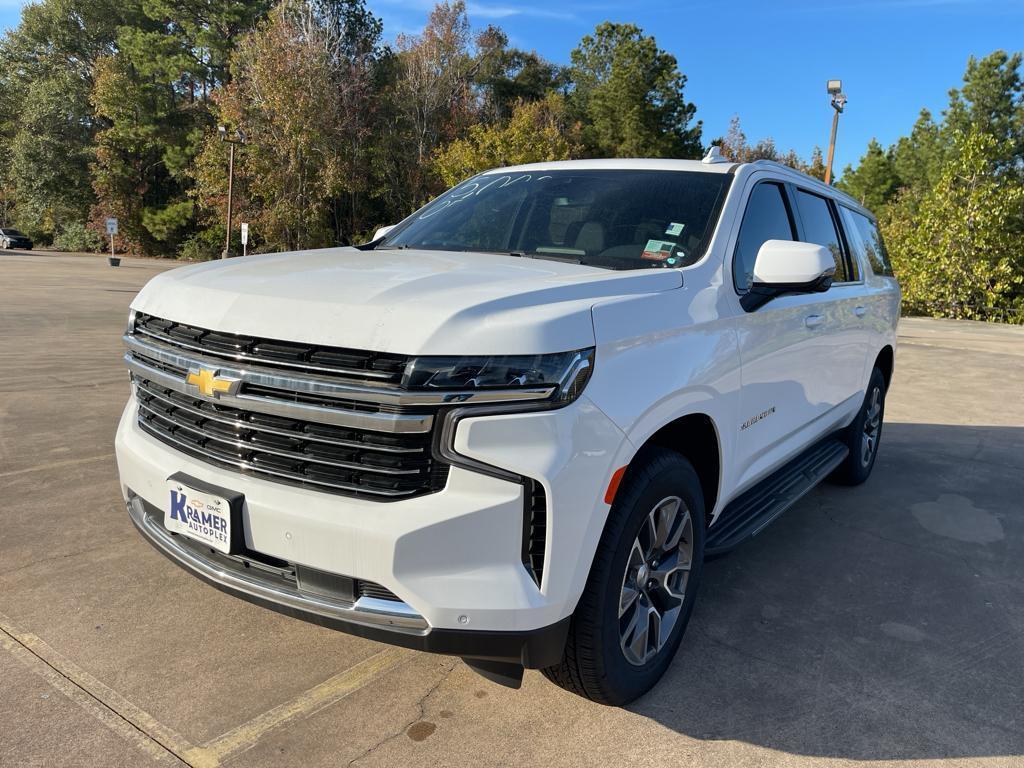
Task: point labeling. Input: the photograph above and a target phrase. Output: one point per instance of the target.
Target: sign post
(112, 230)
(245, 236)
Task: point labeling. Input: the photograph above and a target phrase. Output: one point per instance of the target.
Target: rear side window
(866, 241)
(820, 228)
(766, 218)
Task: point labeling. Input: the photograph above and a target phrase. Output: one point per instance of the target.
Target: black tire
(594, 664)
(866, 428)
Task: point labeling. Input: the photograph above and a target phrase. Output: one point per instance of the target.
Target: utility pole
(835, 90)
(239, 139)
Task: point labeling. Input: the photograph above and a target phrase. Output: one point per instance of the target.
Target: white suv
(512, 426)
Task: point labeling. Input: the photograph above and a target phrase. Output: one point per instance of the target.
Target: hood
(401, 301)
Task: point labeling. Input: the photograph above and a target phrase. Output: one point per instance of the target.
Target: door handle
(860, 311)
(813, 321)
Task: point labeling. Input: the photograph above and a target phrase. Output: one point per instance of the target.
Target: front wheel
(642, 586)
(864, 435)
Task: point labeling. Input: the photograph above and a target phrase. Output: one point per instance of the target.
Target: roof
(619, 164)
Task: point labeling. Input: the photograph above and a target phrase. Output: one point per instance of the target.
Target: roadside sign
(111, 226)
(245, 233)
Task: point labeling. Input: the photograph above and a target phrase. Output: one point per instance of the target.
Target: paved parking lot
(883, 623)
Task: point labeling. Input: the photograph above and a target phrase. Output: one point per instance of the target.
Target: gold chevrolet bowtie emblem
(210, 384)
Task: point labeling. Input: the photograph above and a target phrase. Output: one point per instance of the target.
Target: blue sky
(768, 60)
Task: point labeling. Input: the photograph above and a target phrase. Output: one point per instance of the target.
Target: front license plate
(199, 515)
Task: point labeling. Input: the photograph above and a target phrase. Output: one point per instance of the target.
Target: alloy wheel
(872, 427)
(654, 582)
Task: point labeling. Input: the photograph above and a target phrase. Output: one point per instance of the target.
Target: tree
(47, 125)
(50, 156)
(431, 100)
(734, 146)
(991, 101)
(507, 76)
(166, 65)
(537, 131)
(437, 68)
(628, 94)
(953, 246)
(816, 166)
(302, 95)
(874, 181)
(918, 158)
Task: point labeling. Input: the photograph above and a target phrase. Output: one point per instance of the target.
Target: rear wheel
(864, 435)
(642, 586)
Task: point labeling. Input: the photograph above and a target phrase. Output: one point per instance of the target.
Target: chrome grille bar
(240, 424)
(318, 385)
(274, 452)
(243, 358)
(337, 362)
(218, 458)
(404, 423)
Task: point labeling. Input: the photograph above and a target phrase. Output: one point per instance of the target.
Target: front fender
(664, 356)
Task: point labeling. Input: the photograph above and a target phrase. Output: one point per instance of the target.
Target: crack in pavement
(421, 705)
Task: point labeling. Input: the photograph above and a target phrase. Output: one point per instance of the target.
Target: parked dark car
(12, 238)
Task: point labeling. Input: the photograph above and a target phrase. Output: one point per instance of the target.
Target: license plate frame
(204, 513)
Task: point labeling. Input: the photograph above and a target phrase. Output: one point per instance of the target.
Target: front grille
(312, 454)
(347, 364)
(371, 589)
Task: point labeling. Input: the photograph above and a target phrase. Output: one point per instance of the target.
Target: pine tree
(628, 94)
(874, 181)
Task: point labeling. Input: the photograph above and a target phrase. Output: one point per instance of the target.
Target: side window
(866, 240)
(766, 218)
(820, 228)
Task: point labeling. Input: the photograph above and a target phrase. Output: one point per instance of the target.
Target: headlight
(564, 373)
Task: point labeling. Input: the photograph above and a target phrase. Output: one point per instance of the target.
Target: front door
(801, 360)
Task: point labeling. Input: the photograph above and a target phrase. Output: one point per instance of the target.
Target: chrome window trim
(316, 385)
(366, 610)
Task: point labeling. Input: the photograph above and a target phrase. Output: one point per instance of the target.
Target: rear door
(838, 379)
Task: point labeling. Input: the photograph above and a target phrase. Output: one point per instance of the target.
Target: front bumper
(453, 558)
(379, 620)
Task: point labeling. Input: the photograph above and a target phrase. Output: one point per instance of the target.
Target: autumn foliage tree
(300, 97)
(536, 132)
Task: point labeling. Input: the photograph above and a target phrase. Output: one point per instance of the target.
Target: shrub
(76, 236)
(204, 245)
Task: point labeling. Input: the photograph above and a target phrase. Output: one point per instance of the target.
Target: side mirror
(785, 266)
(381, 232)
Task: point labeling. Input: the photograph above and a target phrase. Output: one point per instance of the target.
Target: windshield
(14, 232)
(613, 219)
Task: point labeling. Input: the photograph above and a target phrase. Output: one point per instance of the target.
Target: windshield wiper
(547, 256)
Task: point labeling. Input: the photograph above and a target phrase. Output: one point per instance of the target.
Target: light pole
(239, 139)
(835, 90)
